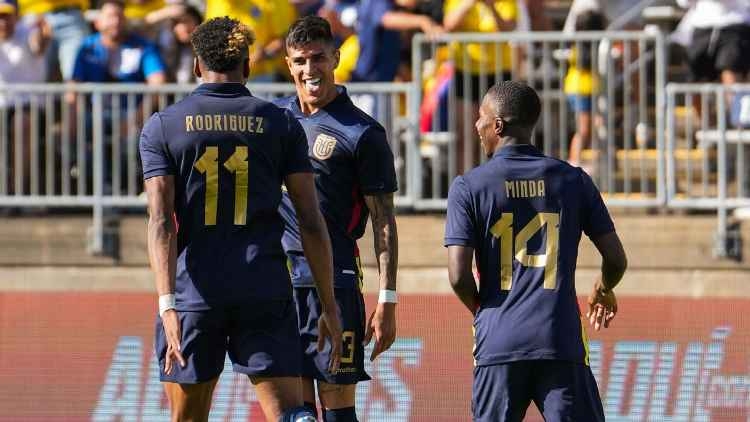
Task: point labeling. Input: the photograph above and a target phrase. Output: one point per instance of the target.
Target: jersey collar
(519, 149)
(227, 89)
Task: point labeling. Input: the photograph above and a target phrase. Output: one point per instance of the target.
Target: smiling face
(311, 66)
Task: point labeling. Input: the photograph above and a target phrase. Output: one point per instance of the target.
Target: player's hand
(329, 327)
(173, 332)
(381, 325)
(602, 307)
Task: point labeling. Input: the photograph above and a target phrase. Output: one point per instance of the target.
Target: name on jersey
(223, 123)
(524, 188)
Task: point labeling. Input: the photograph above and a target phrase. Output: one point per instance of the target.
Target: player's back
(229, 152)
(526, 213)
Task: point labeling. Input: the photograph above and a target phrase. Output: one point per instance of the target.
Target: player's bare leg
(190, 402)
(337, 396)
(308, 390)
(277, 395)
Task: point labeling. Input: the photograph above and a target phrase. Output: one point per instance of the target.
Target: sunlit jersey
(351, 158)
(523, 213)
(229, 153)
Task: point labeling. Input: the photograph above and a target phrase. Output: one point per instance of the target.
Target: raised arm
(317, 246)
(162, 254)
(461, 278)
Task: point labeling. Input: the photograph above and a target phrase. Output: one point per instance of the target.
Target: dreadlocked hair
(222, 43)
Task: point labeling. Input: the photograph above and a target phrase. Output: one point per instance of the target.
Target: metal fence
(605, 88)
(77, 145)
(708, 131)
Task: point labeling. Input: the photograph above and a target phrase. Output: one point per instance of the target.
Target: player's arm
(461, 277)
(162, 254)
(602, 300)
(317, 247)
(382, 323)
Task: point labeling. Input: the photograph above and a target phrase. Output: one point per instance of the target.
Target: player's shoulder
(284, 102)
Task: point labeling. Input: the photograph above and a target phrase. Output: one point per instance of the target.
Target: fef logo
(324, 146)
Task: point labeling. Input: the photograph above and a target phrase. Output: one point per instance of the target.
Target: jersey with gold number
(229, 153)
(523, 213)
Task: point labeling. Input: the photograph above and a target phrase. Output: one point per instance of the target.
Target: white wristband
(387, 296)
(166, 302)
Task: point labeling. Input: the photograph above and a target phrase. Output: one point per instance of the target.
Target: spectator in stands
(378, 26)
(718, 35)
(174, 39)
(69, 28)
(22, 47)
(269, 21)
(581, 84)
(116, 55)
(478, 63)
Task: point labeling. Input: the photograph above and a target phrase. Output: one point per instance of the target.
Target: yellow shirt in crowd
(45, 6)
(139, 10)
(269, 19)
(579, 80)
(482, 57)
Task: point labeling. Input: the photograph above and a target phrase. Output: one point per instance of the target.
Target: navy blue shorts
(563, 391)
(351, 306)
(260, 337)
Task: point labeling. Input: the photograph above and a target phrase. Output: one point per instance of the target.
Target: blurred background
(649, 97)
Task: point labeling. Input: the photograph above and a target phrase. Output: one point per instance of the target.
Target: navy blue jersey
(229, 153)
(523, 213)
(351, 158)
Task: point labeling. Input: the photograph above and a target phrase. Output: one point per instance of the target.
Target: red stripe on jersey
(356, 211)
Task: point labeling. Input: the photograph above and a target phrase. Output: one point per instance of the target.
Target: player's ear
(336, 58)
(246, 67)
(197, 68)
(499, 126)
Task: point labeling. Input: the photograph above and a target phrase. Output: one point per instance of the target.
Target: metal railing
(619, 75)
(77, 145)
(708, 133)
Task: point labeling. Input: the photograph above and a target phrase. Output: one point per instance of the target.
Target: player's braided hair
(222, 43)
(309, 29)
(516, 103)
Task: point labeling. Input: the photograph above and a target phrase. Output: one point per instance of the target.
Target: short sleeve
(152, 62)
(459, 226)
(296, 159)
(595, 219)
(375, 168)
(154, 153)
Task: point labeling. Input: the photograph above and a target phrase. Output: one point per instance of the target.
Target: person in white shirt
(22, 47)
(718, 35)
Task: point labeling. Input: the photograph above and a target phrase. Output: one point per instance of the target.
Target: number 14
(503, 230)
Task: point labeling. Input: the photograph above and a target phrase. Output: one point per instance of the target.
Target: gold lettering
(259, 125)
(509, 191)
(250, 124)
(242, 124)
(233, 123)
(217, 122)
(199, 122)
(189, 123)
(524, 192)
(208, 122)
(532, 188)
(540, 188)
(225, 122)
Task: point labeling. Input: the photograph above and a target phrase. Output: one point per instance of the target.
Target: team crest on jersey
(324, 146)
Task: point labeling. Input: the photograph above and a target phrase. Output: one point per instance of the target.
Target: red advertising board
(89, 356)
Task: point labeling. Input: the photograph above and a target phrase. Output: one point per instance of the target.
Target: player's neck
(210, 77)
(507, 141)
(310, 108)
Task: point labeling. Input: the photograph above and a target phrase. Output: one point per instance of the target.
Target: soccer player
(214, 164)
(521, 215)
(354, 176)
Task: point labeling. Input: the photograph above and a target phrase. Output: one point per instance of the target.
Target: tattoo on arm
(385, 237)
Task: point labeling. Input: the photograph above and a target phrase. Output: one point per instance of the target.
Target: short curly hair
(516, 103)
(307, 30)
(222, 43)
